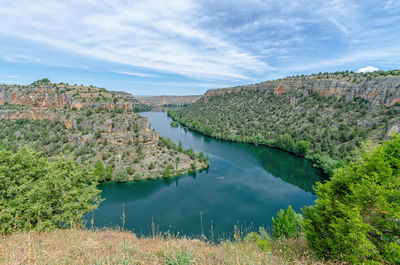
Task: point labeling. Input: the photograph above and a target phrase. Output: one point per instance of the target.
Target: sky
(184, 47)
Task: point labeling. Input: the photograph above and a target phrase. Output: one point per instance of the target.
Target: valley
(324, 117)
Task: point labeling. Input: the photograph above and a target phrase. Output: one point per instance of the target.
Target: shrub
(356, 217)
(130, 170)
(287, 224)
(262, 239)
(121, 176)
(264, 245)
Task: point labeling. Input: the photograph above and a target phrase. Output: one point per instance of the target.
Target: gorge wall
(379, 90)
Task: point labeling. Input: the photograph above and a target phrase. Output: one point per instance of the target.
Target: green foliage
(287, 224)
(301, 148)
(97, 135)
(167, 171)
(326, 163)
(168, 143)
(261, 239)
(357, 213)
(109, 173)
(321, 128)
(130, 170)
(100, 171)
(263, 245)
(42, 81)
(36, 193)
(121, 176)
(179, 257)
(174, 124)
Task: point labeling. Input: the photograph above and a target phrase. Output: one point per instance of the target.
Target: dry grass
(117, 247)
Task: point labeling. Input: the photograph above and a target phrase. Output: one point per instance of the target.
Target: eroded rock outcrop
(379, 90)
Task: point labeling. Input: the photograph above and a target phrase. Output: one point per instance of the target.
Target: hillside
(323, 117)
(94, 124)
(168, 101)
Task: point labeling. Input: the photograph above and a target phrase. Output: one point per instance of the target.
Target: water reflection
(244, 185)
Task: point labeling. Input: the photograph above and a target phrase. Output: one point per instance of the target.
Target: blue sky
(186, 47)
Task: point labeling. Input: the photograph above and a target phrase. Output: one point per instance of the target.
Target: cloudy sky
(185, 47)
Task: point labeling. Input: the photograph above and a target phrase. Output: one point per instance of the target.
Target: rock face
(164, 101)
(46, 96)
(379, 90)
(92, 123)
(50, 102)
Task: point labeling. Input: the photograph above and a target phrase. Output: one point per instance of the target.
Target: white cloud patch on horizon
(135, 74)
(367, 69)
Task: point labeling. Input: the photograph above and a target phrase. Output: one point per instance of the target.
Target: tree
(301, 148)
(357, 213)
(48, 194)
(100, 171)
(109, 174)
(130, 170)
(167, 171)
(180, 148)
(287, 224)
(177, 162)
(97, 135)
(121, 176)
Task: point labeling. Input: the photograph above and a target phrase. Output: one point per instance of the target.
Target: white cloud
(208, 40)
(159, 35)
(367, 69)
(135, 74)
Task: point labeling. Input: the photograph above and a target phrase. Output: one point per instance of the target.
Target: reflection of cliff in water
(292, 169)
(134, 190)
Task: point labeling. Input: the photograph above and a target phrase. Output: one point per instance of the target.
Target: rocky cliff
(324, 117)
(63, 96)
(377, 91)
(165, 101)
(94, 123)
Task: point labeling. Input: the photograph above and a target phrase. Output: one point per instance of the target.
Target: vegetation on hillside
(105, 132)
(357, 214)
(350, 76)
(324, 129)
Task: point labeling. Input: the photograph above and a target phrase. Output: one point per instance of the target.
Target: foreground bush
(357, 215)
(287, 224)
(43, 194)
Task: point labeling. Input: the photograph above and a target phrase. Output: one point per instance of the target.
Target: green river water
(244, 186)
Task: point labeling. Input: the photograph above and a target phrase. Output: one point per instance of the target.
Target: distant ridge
(324, 117)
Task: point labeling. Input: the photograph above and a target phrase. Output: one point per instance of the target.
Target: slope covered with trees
(97, 126)
(323, 117)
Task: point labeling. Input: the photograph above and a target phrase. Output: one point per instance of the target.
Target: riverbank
(320, 161)
(75, 246)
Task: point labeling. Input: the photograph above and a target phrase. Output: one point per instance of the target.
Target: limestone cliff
(379, 90)
(94, 123)
(165, 101)
(324, 117)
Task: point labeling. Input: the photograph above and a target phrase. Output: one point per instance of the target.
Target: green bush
(357, 213)
(121, 176)
(100, 171)
(261, 239)
(264, 245)
(36, 193)
(287, 224)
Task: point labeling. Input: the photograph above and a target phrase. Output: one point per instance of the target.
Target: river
(244, 186)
